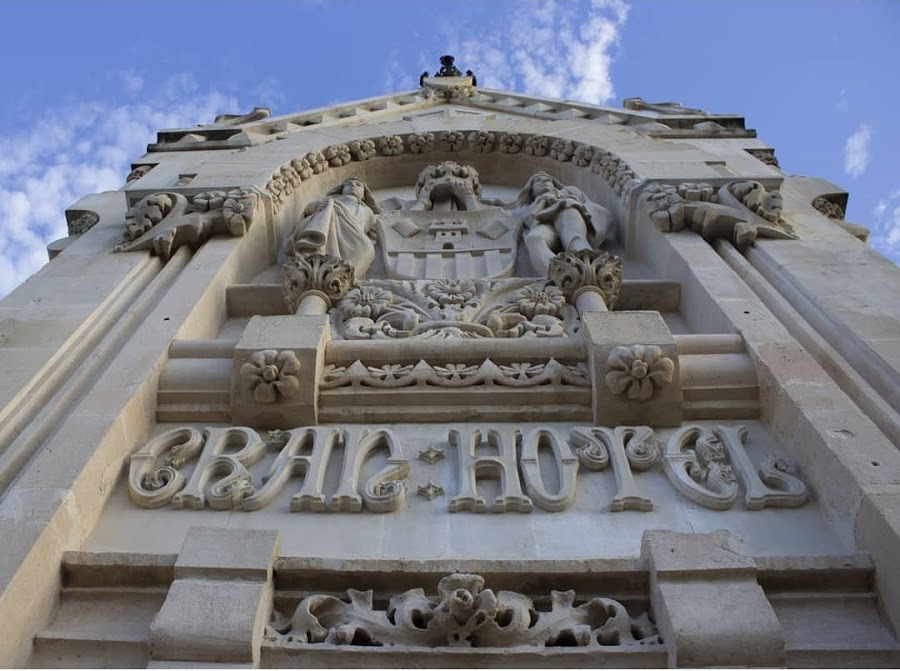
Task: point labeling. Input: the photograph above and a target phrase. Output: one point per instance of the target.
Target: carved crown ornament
(222, 468)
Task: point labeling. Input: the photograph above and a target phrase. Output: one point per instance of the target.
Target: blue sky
(89, 83)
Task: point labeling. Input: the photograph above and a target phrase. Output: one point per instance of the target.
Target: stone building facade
(454, 377)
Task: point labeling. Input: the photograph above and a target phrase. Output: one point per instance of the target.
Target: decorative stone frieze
(464, 614)
(456, 375)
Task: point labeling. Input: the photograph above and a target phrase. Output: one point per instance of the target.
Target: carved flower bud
(537, 145)
(583, 155)
(420, 142)
(453, 140)
(481, 141)
(510, 143)
(562, 150)
(337, 155)
(391, 146)
(362, 150)
(317, 162)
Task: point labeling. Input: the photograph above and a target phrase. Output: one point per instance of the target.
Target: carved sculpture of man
(558, 218)
(339, 225)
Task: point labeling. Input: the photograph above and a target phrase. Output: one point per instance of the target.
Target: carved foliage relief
(237, 469)
(463, 614)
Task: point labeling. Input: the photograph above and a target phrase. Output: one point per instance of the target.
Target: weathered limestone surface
(532, 346)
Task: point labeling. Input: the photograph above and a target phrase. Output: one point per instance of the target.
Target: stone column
(220, 601)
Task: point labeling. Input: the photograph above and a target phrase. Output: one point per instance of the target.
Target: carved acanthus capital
(587, 270)
(320, 275)
(638, 371)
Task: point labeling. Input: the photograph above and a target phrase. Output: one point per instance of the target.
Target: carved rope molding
(709, 465)
(464, 614)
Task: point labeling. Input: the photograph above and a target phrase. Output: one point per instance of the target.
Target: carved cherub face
(355, 188)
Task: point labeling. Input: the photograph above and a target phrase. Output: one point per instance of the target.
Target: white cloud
(857, 151)
(842, 103)
(885, 229)
(546, 48)
(86, 148)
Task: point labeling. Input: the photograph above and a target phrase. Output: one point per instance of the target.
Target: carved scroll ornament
(464, 614)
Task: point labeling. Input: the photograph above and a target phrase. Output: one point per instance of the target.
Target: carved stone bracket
(740, 211)
(163, 222)
(464, 614)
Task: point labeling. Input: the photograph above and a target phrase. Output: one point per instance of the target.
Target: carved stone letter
(503, 466)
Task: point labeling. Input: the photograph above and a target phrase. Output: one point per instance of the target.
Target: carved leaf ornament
(464, 614)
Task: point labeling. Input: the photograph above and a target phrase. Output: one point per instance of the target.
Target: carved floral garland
(465, 614)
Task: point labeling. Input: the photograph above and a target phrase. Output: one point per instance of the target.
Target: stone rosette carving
(453, 140)
(271, 375)
(337, 155)
(464, 614)
(574, 272)
(391, 145)
(510, 143)
(638, 371)
(537, 145)
(316, 274)
(363, 150)
(420, 143)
